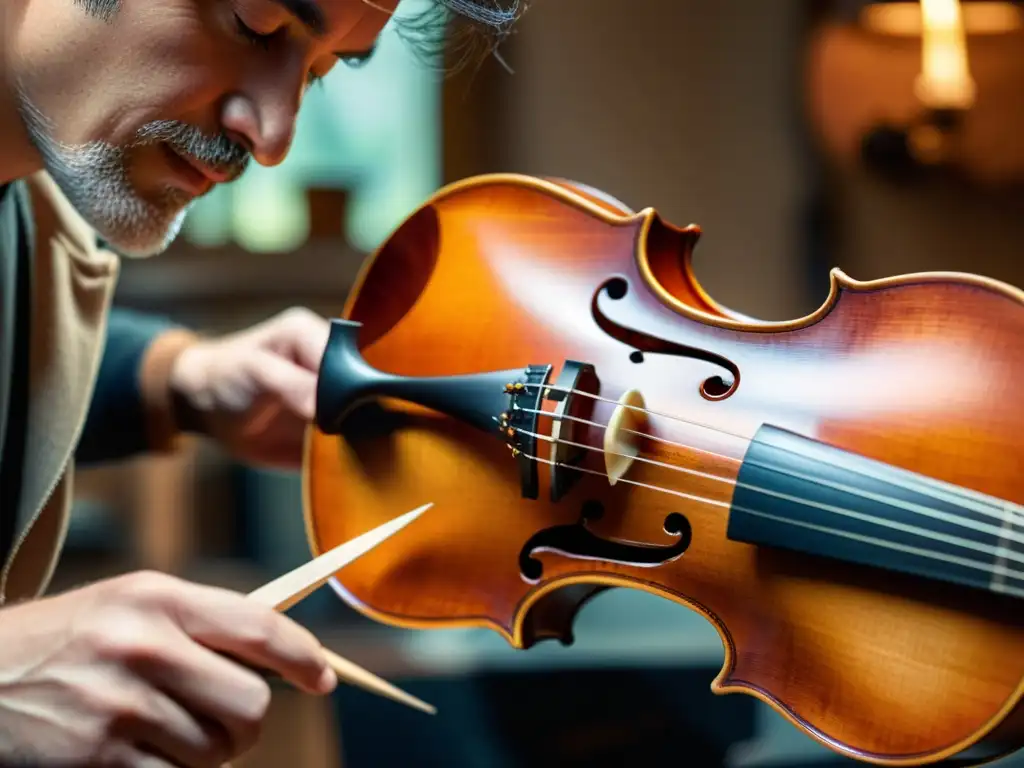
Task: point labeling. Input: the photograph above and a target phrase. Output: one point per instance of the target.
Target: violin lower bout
(881, 667)
(885, 668)
(873, 664)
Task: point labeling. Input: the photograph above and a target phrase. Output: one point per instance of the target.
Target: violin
(839, 495)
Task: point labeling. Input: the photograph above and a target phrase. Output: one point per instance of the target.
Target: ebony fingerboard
(803, 495)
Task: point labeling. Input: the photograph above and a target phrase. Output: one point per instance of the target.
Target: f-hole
(713, 388)
(579, 542)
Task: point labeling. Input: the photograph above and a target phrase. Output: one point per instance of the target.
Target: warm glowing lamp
(918, 85)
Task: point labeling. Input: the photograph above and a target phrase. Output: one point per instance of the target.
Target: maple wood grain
(923, 372)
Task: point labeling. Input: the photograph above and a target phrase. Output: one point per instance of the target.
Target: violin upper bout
(665, 259)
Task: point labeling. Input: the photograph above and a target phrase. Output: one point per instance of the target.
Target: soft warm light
(861, 76)
(907, 19)
(945, 81)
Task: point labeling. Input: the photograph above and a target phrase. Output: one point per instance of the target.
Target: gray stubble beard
(94, 178)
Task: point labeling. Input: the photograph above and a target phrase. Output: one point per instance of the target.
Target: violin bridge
(622, 435)
(573, 394)
(574, 405)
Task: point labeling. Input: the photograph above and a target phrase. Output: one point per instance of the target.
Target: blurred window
(373, 131)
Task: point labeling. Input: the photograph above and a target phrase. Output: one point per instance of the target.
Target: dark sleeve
(130, 410)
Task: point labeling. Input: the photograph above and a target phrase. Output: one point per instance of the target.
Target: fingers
(308, 333)
(182, 697)
(153, 721)
(255, 634)
(226, 696)
(293, 384)
(125, 755)
(298, 333)
(303, 333)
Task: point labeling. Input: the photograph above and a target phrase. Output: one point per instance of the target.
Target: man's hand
(255, 391)
(138, 670)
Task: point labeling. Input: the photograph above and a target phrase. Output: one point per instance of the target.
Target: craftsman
(115, 115)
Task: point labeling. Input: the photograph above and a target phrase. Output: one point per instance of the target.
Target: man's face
(139, 106)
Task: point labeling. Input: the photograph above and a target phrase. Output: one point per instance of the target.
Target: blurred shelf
(186, 276)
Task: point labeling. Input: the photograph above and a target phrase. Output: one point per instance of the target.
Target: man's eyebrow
(308, 12)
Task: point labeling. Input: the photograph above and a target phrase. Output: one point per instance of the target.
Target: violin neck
(799, 494)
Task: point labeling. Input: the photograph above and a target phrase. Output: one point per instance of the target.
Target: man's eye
(252, 35)
(357, 60)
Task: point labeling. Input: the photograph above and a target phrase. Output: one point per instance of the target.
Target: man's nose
(265, 127)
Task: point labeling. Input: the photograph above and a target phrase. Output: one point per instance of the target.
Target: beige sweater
(74, 283)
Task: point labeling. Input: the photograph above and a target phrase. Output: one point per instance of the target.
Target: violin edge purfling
(558, 289)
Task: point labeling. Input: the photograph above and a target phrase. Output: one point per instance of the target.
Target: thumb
(294, 385)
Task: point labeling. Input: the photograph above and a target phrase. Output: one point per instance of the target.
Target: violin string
(981, 503)
(648, 486)
(691, 422)
(673, 443)
(919, 509)
(1005, 517)
(993, 569)
(1000, 514)
(638, 457)
(965, 497)
(872, 519)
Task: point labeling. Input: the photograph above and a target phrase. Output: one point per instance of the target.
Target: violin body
(838, 495)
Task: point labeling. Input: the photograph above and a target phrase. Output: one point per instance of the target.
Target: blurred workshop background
(799, 135)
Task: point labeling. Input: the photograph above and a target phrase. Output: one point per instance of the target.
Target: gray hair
(458, 22)
(488, 14)
(468, 29)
